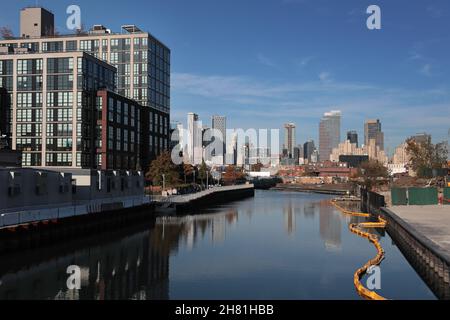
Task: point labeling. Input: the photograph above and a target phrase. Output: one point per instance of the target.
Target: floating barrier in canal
(357, 229)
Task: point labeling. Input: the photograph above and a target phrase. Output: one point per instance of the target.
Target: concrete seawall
(429, 259)
(44, 233)
(188, 203)
(319, 190)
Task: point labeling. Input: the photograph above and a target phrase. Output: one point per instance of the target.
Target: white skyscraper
(220, 123)
(194, 143)
(329, 134)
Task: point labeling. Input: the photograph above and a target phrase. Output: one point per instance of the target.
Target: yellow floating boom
(356, 229)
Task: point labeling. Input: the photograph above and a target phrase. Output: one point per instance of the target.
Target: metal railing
(24, 216)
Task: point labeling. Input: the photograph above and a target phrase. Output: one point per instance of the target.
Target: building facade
(36, 22)
(308, 149)
(352, 136)
(141, 60)
(220, 123)
(290, 139)
(329, 134)
(121, 138)
(194, 154)
(5, 116)
(373, 131)
(372, 151)
(53, 106)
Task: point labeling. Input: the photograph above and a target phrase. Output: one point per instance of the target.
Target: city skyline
(305, 78)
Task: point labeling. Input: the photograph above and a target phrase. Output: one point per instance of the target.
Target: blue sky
(266, 62)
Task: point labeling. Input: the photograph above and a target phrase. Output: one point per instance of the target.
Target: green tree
(163, 165)
(188, 171)
(425, 156)
(203, 171)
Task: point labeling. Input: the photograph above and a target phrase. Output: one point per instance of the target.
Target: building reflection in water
(330, 226)
(112, 268)
(309, 210)
(289, 218)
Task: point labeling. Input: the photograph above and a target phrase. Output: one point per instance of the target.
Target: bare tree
(6, 33)
(81, 30)
(426, 155)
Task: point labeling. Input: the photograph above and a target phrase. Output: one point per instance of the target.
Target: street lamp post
(164, 181)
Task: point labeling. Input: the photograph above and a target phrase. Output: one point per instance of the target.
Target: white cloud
(262, 59)
(304, 62)
(324, 76)
(426, 70)
(256, 102)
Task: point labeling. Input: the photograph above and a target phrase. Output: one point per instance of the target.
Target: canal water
(277, 245)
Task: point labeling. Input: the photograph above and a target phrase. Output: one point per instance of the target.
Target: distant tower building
(220, 123)
(422, 138)
(195, 141)
(36, 22)
(297, 154)
(308, 150)
(372, 131)
(290, 139)
(329, 134)
(232, 150)
(315, 156)
(352, 136)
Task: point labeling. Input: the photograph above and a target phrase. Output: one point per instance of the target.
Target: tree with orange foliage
(233, 175)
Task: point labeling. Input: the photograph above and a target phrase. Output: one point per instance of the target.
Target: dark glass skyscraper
(352, 136)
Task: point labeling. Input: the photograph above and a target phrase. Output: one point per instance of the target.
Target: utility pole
(164, 181)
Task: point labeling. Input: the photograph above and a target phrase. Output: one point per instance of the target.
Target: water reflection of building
(289, 218)
(330, 226)
(119, 267)
(131, 268)
(191, 227)
(309, 210)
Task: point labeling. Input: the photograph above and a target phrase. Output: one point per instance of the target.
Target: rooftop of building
(128, 29)
(55, 54)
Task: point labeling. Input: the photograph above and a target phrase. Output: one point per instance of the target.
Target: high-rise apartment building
(372, 131)
(120, 134)
(220, 123)
(195, 140)
(141, 60)
(53, 105)
(308, 150)
(5, 116)
(401, 155)
(352, 136)
(329, 134)
(290, 139)
(422, 138)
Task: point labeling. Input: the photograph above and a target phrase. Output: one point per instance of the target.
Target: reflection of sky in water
(286, 246)
(274, 246)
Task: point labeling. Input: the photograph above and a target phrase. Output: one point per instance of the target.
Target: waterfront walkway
(432, 222)
(183, 199)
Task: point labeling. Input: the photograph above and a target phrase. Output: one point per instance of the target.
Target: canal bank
(319, 189)
(44, 232)
(184, 204)
(422, 233)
